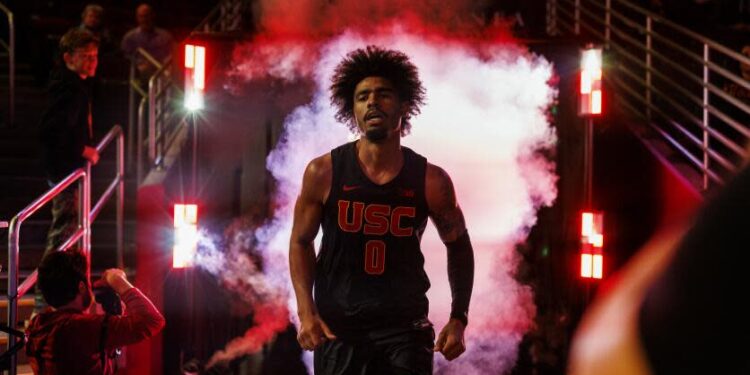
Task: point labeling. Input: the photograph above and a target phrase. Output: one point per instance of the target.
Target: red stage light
(195, 76)
(185, 235)
(591, 82)
(592, 242)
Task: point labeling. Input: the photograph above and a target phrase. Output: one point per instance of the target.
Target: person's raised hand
(117, 280)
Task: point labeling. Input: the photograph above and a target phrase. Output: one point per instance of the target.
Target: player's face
(83, 60)
(378, 109)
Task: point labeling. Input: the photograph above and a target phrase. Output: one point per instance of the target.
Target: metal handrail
(140, 139)
(159, 110)
(117, 185)
(13, 242)
(10, 46)
(208, 23)
(82, 234)
(135, 88)
(151, 59)
(692, 138)
(630, 31)
(15, 348)
(736, 125)
(226, 17)
(164, 120)
(154, 103)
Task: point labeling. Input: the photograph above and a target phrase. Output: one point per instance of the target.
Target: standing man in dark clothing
(372, 198)
(66, 128)
(156, 41)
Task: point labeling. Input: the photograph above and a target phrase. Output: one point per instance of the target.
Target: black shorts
(392, 351)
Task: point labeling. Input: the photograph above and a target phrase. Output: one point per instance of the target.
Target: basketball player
(372, 197)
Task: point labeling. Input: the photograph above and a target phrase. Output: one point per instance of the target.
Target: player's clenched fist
(313, 331)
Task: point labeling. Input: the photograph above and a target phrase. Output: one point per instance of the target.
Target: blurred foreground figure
(677, 307)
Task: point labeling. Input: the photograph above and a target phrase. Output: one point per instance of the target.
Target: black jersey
(370, 269)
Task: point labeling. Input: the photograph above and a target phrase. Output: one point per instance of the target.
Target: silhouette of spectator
(92, 20)
(154, 40)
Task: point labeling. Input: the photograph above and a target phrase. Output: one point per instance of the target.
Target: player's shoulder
(436, 174)
(319, 168)
(438, 187)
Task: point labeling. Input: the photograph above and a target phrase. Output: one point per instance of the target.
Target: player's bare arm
(307, 218)
(449, 221)
(442, 204)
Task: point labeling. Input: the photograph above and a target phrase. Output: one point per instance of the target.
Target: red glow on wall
(592, 242)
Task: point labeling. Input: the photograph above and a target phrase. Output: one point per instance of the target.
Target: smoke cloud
(485, 122)
(235, 261)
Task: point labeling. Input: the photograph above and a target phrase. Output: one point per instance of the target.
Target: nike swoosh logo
(351, 187)
(409, 193)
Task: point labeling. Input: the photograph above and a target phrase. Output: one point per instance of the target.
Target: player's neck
(382, 160)
(385, 152)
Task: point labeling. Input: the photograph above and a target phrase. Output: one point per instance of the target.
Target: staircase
(682, 91)
(22, 180)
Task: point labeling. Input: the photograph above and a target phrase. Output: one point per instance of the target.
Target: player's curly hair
(374, 61)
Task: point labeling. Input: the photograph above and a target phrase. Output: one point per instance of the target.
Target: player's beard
(376, 134)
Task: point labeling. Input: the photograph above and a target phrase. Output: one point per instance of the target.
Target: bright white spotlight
(195, 76)
(590, 99)
(185, 235)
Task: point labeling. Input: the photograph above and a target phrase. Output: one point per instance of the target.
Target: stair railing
(227, 17)
(161, 113)
(86, 216)
(138, 100)
(156, 103)
(683, 84)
